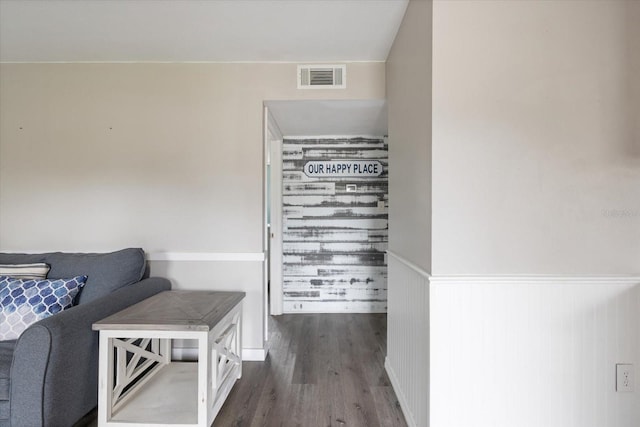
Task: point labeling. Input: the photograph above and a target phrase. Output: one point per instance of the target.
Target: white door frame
(273, 242)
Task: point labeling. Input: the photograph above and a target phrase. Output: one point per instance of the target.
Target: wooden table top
(174, 311)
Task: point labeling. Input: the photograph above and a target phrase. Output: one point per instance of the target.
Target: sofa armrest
(54, 374)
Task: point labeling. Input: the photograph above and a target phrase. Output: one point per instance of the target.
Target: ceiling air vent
(322, 76)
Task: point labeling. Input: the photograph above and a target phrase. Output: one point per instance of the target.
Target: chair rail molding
(533, 279)
(206, 256)
(163, 256)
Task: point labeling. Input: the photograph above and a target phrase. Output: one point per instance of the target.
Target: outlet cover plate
(624, 377)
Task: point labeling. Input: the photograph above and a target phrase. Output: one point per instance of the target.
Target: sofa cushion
(6, 357)
(24, 302)
(105, 272)
(36, 270)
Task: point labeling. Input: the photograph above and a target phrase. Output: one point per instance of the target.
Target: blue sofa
(49, 375)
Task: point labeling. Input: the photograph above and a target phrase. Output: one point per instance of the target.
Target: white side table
(139, 384)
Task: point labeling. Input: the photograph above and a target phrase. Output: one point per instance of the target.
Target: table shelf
(170, 397)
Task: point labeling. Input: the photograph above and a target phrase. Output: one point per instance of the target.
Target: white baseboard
(184, 354)
(248, 354)
(404, 405)
(254, 354)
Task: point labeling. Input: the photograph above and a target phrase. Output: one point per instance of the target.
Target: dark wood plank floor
(323, 370)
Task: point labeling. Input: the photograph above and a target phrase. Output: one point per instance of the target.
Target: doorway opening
(326, 228)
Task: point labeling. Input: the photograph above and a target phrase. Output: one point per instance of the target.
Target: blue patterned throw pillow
(23, 302)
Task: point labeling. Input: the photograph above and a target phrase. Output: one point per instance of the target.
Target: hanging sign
(343, 168)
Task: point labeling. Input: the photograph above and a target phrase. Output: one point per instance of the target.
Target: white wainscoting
(533, 351)
(407, 361)
(527, 351)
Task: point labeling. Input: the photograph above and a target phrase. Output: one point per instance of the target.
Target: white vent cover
(322, 76)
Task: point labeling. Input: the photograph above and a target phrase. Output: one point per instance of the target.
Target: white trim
(62, 250)
(516, 279)
(267, 134)
(404, 405)
(172, 256)
(409, 264)
(206, 256)
(272, 125)
(535, 279)
(275, 256)
(254, 354)
(248, 354)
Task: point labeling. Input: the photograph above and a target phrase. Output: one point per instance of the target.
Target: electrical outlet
(624, 377)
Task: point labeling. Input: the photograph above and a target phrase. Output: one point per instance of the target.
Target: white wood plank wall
(533, 351)
(407, 361)
(334, 242)
(526, 351)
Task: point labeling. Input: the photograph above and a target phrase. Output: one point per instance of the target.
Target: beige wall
(409, 68)
(168, 157)
(536, 140)
(165, 156)
(535, 146)
(409, 97)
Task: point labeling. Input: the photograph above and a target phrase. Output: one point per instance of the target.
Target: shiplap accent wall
(334, 241)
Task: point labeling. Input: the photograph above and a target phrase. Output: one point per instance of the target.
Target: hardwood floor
(323, 370)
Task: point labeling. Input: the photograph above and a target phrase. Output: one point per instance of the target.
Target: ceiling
(216, 31)
(337, 118)
(198, 30)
